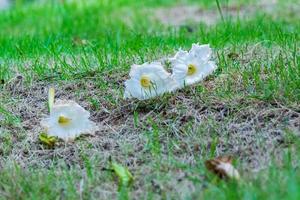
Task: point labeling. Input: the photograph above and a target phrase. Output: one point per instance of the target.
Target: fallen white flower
(68, 120)
(193, 66)
(148, 80)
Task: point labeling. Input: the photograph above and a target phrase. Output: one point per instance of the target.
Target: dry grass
(250, 129)
(189, 125)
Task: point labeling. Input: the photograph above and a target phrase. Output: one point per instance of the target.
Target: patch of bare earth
(182, 14)
(189, 124)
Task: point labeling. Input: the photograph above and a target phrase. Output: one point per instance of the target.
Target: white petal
(133, 88)
(180, 54)
(133, 70)
(201, 51)
(208, 68)
(192, 80)
(127, 94)
(180, 73)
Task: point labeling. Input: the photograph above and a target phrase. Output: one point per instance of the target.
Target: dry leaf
(77, 41)
(222, 167)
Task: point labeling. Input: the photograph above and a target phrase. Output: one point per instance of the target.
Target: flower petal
(201, 51)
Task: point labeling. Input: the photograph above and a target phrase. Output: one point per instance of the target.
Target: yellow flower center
(64, 121)
(192, 69)
(145, 81)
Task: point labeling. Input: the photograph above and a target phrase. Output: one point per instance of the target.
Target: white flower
(193, 66)
(148, 80)
(68, 120)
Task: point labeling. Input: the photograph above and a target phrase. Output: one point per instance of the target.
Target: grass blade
(220, 9)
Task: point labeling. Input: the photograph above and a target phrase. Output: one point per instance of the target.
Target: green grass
(86, 49)
(75, 182)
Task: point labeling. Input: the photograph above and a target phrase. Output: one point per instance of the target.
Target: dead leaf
(222, 167)
(233, 56)
(77, 41)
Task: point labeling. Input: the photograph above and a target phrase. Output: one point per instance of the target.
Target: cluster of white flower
(151, 79)
(67, 119)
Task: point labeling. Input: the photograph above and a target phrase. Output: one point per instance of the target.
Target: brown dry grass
(250, 129)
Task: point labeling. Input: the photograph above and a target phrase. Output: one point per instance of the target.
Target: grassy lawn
(248, 108)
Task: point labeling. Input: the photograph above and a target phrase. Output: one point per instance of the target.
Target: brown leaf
(77, 41)
(222, 167)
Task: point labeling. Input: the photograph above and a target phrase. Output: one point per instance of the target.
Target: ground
(248, 108)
